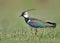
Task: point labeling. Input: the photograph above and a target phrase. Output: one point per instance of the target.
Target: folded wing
(40, 24)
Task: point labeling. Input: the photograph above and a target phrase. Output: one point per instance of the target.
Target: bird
(36, 23)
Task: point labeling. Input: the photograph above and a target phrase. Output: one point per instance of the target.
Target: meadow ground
(13, 28)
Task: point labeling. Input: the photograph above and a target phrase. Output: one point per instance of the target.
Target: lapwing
(36, 23)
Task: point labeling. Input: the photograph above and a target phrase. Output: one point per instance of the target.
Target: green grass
(13, 29)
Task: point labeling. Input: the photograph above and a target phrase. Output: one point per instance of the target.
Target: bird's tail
(53, 24)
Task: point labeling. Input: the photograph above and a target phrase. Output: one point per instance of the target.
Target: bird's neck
(27, 20)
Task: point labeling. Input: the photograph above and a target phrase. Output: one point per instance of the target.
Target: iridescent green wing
(40, 22)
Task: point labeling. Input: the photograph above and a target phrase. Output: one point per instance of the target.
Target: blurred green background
(11, 25)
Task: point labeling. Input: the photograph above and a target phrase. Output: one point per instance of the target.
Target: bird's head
(25, 14)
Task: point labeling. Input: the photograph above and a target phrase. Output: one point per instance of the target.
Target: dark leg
(36, 31)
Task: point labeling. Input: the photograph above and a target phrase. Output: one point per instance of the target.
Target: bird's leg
(36, 31)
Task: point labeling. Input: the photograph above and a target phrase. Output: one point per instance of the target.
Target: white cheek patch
(26, 16)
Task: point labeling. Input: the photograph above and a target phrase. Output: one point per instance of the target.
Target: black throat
(26, 19)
